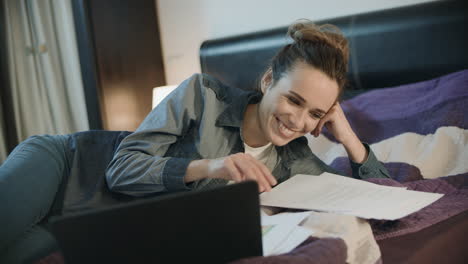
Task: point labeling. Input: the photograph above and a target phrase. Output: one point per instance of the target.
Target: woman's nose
(300, 121)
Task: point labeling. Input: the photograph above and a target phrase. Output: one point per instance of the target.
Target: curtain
(3, 152)
(44, 71)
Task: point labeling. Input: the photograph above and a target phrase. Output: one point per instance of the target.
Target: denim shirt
(202, 119)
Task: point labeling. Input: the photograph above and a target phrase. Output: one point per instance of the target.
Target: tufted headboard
(387, 48)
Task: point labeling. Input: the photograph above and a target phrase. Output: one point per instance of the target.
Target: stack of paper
(281, 233)
(338, 194)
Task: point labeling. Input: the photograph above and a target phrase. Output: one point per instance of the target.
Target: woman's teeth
(284, 130)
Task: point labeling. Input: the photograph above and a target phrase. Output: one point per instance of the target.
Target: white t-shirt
(265, 154)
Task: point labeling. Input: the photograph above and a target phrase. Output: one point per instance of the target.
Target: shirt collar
(296, 149)
(236, 104)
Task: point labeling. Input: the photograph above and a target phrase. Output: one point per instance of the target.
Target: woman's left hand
(335, 121)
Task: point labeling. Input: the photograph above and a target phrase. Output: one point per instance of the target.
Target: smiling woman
(291, 107)
(206, 134)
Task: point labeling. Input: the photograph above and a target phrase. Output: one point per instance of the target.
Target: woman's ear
(266, 80)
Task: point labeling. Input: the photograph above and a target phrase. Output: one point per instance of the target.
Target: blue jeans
(30, 179)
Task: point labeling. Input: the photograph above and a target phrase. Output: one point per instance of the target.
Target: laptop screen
(213, 226)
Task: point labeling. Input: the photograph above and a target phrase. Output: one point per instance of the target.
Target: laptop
(213, 226)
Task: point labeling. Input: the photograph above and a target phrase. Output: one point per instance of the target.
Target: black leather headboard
(388, 48)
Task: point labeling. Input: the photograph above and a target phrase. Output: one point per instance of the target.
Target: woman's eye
(316, 115)
(293, 100)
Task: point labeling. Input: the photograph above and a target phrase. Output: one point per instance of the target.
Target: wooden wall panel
(128, 57)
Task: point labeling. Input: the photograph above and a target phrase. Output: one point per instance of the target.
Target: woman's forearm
(355, 149)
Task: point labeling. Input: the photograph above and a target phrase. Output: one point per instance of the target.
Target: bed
(412, 61)
(407, 98)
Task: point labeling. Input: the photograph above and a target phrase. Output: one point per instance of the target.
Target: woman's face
(294, 105)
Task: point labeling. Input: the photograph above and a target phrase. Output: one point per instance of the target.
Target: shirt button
(364, 170)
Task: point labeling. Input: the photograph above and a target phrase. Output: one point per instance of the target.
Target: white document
(334, 193)
(298, 235)
(281, 233)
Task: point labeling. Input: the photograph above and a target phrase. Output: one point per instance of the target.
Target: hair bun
(297, 35)
(304, 30)
(322, 47)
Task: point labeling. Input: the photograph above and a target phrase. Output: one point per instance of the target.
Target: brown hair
(323, 47)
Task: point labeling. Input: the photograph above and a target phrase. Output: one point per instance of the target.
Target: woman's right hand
(236, 167)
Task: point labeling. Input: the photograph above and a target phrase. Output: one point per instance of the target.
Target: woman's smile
(284, 130)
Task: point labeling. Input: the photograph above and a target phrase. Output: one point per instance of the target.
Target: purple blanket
(424, 109)
(428, 110)
(418, 130)
(420, 107)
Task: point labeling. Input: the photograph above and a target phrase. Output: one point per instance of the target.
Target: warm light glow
(159, 93)
(122, 107)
